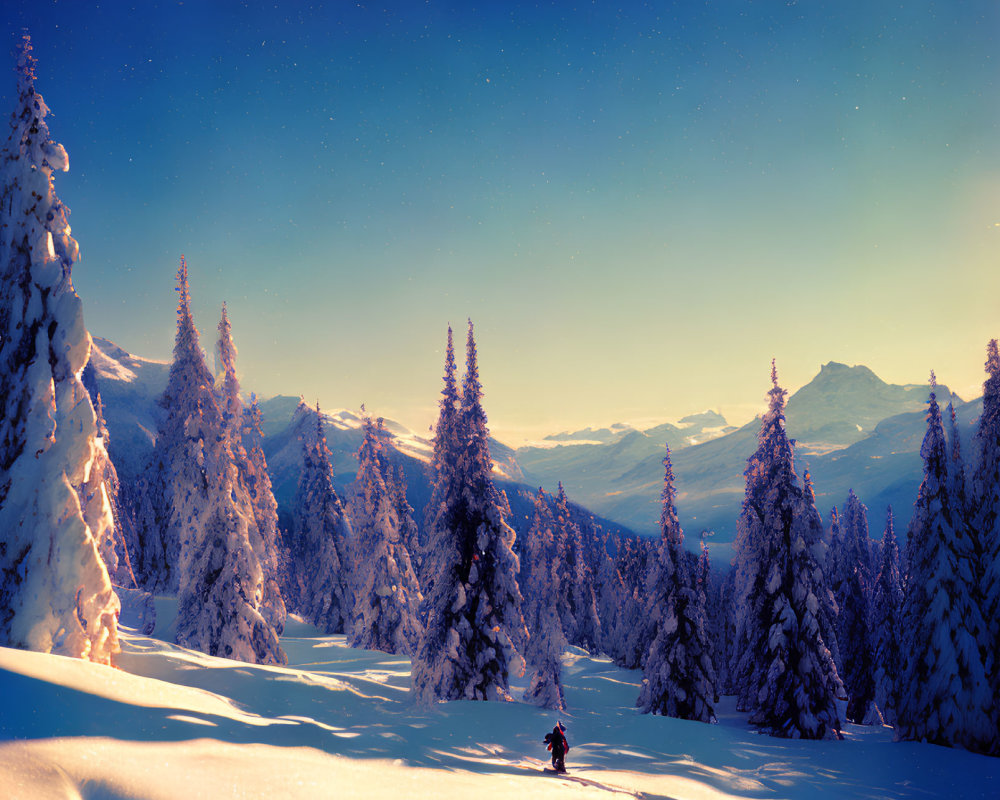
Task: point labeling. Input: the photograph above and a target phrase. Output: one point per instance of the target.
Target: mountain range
(852, 431)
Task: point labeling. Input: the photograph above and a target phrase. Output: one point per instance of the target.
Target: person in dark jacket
(559, 746)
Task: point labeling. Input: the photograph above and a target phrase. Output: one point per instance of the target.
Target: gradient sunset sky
(638, 205)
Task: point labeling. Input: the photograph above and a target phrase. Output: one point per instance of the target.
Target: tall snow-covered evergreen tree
(635, 629)
(792, 692)
(749, 564)
(710, 591)
(944, 694)
(610, 591)
(254, 475)
(317, 544)
(854, 524)
(55, 593)
(834, 553)
(887, 603)
(173, 487)
(253, 485)
(578, 607)
(542, 594)
(679, 678)
(474, 619)
(704, 572)
(409, 533)
(986, 526)
(386, 612)
(853, 631)
(827, 611)
(956, 473)
(219, 575)
(445, 487)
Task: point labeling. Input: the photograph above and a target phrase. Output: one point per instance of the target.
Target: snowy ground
(339, 723)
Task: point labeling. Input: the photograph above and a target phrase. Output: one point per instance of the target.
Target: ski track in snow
(339, 722)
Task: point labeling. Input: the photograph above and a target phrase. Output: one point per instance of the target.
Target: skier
(557, 743)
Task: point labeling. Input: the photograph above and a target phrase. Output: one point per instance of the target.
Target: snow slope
(338, 722)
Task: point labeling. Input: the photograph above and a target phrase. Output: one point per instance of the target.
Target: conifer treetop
(956, 448)
(450, 390)
(670, 527)
(253, 419)
(232, 407)
(807, 485)
(991, 386)
(26, 64)
(186, 344)
(227, 347)
(932, 449)
(472, 389)
(776, 393)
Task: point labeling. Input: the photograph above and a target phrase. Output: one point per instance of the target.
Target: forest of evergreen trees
(812, 621)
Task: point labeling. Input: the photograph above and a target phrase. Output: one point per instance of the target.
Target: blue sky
(639, 207)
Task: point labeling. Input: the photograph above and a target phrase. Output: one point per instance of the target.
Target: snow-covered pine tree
(886, 634)
(55, 593)
(704, 574)
(854, 525)
(709, 588)
(678, 676)
(409, 533)
(749, 565)
(854, 630)
(986, 525)
(610, 591)
(254, 474)
(956, 474)
(542, 596)
(827, 611)
(793, 695)
(635, 631)
(635, 560)
(220, 580)
(474, 620)
(445, 488)
(579, 605)
(944, 693)
(386, 613)
(230, 402)
(173, 489)
(834, 552)
(253, 485)
(317, 543)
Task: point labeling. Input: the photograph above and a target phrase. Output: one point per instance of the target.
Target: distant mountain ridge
(842, 405)
(852, 430)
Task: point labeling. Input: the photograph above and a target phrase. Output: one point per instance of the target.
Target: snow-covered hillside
(339, 722)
